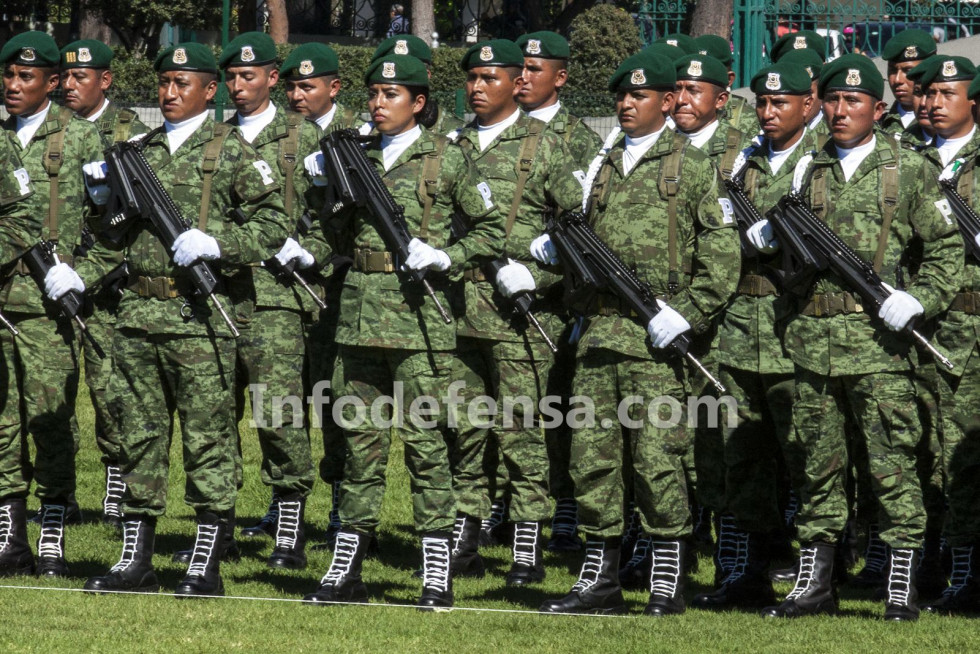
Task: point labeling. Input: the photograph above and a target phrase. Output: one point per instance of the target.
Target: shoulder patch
(24, 180)
(484, 190)
(265, 171)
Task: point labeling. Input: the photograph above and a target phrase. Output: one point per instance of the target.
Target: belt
(830, 304)
(756, 286)
(967, 302)
(162, 288)
(369, 261)
(474, 275)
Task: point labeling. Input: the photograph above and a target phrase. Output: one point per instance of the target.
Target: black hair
(430, 111)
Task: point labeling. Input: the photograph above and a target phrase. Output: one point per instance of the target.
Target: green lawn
(56, 620)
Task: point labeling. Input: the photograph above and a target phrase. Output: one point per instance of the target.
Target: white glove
(61, 279)
(314, 168)
(977, 239)
(514, 278)
(95, 181)
(899, 309)
(134, 139)
(666, 326)
(543, 250)
(193, 245)
(293, 250)
(422, 255)
(761, 237)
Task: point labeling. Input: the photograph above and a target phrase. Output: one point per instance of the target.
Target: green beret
(498, 52)
(310, 60)
(643, 70)
(943, 68)
(404, 44)
(682, 41)
(781, 79)
(31, 49)
(248, 49)
(798, 41)
(701, 68)
(809, 59)
(852, 72)
(397, 69)
(715, 46)
(545, 45)
(671, 52)
(87, 53)
(974, 89)
(909, 45)
(195, 57)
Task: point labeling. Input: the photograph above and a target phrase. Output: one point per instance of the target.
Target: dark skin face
(312, 96)
(542, 79)
(851, 116)
(782, 117)
(249, 87)
(921, 111)
(184, 94)
(950, 111)
(85, 89)
(697, 104)
(642, 111)
(900, 83)
(392, 108)
(26, 88)
(491, 92)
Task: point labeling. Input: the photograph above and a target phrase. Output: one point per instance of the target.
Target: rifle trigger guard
(186, 310)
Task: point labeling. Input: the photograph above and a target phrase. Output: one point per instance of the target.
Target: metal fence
(655, 18)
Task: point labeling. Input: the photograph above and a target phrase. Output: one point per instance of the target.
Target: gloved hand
(293, 250)
(977, 239)
(314, 168)
(666, 326)
(193, 245)
(95, 182)
(422, 255)
(61, 279)
(899, 309)
(543, 250)
(514, 278)
(761, 237)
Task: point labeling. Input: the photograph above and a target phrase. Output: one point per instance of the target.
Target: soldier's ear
(211, 88)
(880, 109)
(105, 80)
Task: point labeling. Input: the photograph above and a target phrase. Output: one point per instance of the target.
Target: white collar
(778, 157)
(813, 124)
(98, 114)
(250, 126)
(27, 126)
(393, 147)
(851, 158)
(637, 147)
(948, 148)
(177, 133)
(327, 118)
(546, 114)
(489, 133)
(701, 137)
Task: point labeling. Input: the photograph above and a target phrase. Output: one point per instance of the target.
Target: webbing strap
(212, 151)
(525, 161)
(732, 150)
(669, 186)
(288, 153)
(54, 157)
(429, 183)
(889, 201)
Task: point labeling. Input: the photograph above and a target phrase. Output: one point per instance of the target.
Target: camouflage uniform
(848, 364)
(740, 114)
(891, 122)
(446, 122)
(915, 138)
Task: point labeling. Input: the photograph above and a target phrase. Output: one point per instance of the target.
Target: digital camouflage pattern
(891, 122)
(446, 121)
(740, 114)
(581, 140)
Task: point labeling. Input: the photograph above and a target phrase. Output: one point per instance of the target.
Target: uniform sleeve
(475, 205)
(20, 221)
(311, 198)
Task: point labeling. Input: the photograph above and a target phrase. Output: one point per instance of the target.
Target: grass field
(58, 618)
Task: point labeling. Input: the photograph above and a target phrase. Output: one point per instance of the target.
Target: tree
(712, 17)
(278, 20)
(423, 19)
(137, 23)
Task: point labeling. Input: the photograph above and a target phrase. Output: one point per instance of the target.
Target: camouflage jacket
(119, 124)
(891, 122)
(20, 221)
(489, 315)
(344, 118)
(80, 145)
(582, 141)
(915, 138)
(446, 122)
(387, 310)
(723, 147)
(920, 238)
(740, 114)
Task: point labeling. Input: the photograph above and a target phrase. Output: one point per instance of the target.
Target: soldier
(500, 355)
(812, 61)
(921, 134)
(903, 52)
(20, 223)
(848, 363)
(686, 248)
(86, 76)
(172, 353)
(684, 42)
(271, 352)
(53, 146)
(752, 365)
(737, 112)
(312, 85)
(393, 341)
(801, 40)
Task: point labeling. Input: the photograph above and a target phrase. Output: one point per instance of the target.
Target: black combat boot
(342, 582)
(597, 590)
(16, 557)
(873, 574)
(289, 552)
(333, 527)
(527, 567)
(726, 548)
(229, 550)
(73, 514)
(900, 605)
(51, 542)
(437, 579)
(114, 489)
(666, 578)
(203, 576)
(635, 575)
(467, 561)
(931, 576)
(267, 525)
(632, 531)
(134, 571)
(702, 538)
(814, 592)
(748, 585)
(564, 527)
(491, 529)
(963, 593)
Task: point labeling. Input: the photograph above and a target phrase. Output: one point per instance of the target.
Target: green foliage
(137, 23)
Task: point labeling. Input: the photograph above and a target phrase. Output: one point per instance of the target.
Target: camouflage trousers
(883, 409)
(270, 358)
(606, 454)
(559, 438)
(961, 451)
(154, 376)
(322, 359)
(101, 324)
(369, 374)
(40, 383)
(515, 375)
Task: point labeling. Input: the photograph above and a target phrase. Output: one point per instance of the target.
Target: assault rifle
(137, 193)
(353, 181)
(591, 263)
(810, 244)
(39, 260)
(8, 325)
(966, 217)
(745, 212)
